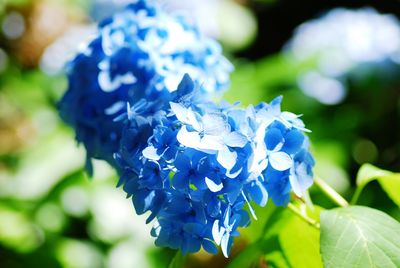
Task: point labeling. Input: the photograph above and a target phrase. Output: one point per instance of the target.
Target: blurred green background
(53, 215)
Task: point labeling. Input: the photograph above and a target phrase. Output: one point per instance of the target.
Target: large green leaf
(359, 237)
(389, 181)
(300, 244)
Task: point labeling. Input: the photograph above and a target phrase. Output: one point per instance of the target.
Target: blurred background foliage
(53, 215)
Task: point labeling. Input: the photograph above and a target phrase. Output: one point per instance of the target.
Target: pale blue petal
(151, 153)
(209, 142)
(226, 245)
(180, 111)
(300, 181)
(213, 186)
(189, 139)
(235, 139)
(215, 124)
(217, 232)
(226, 158)
(227, 216)
(280, 161)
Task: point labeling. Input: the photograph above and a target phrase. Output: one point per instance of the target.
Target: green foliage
(286, 241)
(359, 237)
(17, 232)
(389, 181)
(267, 243)
(248, 256)
(276, 259)
(300, 244)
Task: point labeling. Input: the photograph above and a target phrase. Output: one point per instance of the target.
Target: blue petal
(200, 214)
(178, 205)
(272, 138)
(199, 182)
(143, 200)
(244, 218)
(209, 246)
(293, 141)
(258, 193)
(157, 205)
(278, 187)
(191, 245)
(213, 206)
(180, 181)
(185, 87)
(182, 162)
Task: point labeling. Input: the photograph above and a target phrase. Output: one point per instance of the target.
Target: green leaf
(300, 244)
(391, 185)
(359, 237)
(177, 261)
(389, 181)
(368, 173)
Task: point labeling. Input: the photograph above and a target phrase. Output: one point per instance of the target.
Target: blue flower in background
(201, 164)
(347, 45)
(140, 53)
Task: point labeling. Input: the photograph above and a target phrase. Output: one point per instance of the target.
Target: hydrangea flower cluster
(342, 41)
(140, 53)
(196, 166)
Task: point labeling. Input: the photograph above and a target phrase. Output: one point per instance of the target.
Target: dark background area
(277, 20)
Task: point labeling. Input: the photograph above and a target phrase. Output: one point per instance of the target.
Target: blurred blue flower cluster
(194, 165)
(345, 42)
(141, 53)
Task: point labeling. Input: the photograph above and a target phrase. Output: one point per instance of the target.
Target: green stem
(177, 261)
(303, 216)
(330, 192)
(356, 195)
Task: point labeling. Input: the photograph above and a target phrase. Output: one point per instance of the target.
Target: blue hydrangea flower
(202, 164)
(140, 53)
